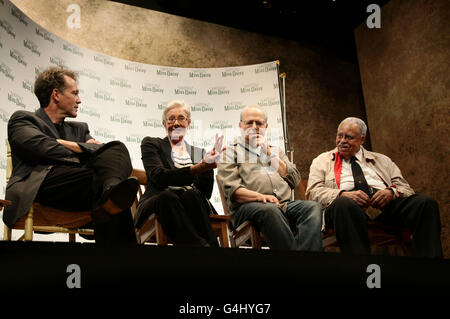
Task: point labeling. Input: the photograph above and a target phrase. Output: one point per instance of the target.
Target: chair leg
(29, 225)
(7, 233)
(255, 239)
(161, 238)
(223, 237)
(232, 240)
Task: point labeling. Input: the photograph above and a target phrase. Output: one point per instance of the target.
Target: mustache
(343, 145)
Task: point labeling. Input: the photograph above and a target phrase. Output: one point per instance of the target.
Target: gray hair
(354, 120)
(255, 107)
(174, 104)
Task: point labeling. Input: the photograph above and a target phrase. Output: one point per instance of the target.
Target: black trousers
(184, 216)
(76, 188)
(419, 213)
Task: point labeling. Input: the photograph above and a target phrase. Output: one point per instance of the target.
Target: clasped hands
(380, 199)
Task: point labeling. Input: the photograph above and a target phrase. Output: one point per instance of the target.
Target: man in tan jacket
(353, 184)
(257, 181)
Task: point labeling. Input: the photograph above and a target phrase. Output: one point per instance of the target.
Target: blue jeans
(274, 224)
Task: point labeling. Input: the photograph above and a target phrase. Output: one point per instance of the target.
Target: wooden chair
(152, 232)
(245, 234)
(45, 219)
(384, 239)
(4, 203)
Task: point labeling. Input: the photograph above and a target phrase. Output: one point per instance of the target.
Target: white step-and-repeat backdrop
(123, 100)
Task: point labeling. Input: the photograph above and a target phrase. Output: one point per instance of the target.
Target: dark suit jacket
(161, 171)
(34, 150)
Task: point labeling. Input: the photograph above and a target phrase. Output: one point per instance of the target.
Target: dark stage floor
(179, 278)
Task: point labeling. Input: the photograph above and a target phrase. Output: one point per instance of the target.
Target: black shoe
(121, 196)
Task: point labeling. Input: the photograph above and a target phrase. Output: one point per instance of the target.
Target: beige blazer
(322, 186)
(238, 168)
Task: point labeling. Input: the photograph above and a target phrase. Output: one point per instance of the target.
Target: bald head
(253, 108)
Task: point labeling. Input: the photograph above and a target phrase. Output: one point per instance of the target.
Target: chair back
(222, 196)
(141, 175)
(302, 188)
(8, 162)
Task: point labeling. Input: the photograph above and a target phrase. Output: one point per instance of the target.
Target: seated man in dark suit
(59, 164)
(354, 184)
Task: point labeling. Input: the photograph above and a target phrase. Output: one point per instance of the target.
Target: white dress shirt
(346, 181)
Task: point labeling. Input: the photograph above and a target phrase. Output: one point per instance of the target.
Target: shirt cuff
(393, 188)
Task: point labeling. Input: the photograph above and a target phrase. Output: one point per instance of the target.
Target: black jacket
(34, 150)
(161, 171)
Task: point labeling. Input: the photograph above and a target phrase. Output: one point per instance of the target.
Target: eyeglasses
(346, 136)
(180, 119)
(252, 122)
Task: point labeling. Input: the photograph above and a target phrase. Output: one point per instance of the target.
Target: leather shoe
(121, 196)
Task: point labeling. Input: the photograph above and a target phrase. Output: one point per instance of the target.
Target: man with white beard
(354, 185)
(257, 180)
